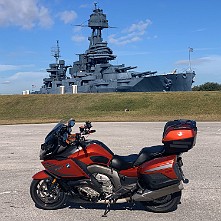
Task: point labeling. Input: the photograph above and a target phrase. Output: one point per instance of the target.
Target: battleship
(93, 72)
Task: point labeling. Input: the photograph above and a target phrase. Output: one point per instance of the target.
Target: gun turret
(143, 74)
(123, 69)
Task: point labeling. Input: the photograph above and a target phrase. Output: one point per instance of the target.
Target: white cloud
(85, 6)
(198, 61)
(68, 16)
(208, 69)
(4, 67)
(20, 81)
(6, 82)
(24, 13)
(77, 29)
(78, 38)
(200, 30)
(139, 27)
(131, 34)
(44, 18)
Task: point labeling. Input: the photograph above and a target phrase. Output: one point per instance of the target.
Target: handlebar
(92, 131)
(86, 128)
(85, 132)
(78, 138)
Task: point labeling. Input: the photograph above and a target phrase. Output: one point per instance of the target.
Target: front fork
(43, 175)
(52, 186)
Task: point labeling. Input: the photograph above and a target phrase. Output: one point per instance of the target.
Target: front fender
(41, 175)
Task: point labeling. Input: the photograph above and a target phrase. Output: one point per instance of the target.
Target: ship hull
(157, 83)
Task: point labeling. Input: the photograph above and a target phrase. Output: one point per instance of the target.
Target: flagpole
(190, 50)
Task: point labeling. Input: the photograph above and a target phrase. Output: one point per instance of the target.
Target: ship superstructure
(93, 72)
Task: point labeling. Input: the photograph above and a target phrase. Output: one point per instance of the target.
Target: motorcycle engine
(88, 193)
(105, 182)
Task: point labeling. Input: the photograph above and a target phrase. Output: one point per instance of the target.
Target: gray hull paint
(93, 72)
(157, 83)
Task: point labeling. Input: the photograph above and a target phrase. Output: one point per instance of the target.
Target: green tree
(208, 86)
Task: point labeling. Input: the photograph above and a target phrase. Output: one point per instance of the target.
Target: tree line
(208, 86)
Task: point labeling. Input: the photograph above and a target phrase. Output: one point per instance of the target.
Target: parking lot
(19, 160)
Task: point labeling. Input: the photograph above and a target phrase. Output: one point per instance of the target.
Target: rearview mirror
(71, 123)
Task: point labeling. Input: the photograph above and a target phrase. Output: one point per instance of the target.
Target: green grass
(201, 106)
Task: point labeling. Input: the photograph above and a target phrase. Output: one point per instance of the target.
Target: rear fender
(41, 175)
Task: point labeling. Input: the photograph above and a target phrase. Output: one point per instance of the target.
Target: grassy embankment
(201, 106)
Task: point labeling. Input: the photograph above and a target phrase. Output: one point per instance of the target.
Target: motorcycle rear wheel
(46, 196)
(164, 204)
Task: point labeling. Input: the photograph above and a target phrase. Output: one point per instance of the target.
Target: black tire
(44, 199)
(164, 204)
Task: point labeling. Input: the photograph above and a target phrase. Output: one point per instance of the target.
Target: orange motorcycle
(88, 170)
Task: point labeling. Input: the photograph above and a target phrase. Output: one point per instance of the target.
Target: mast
(190, 50)
(55, 52)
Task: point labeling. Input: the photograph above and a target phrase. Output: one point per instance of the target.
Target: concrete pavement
(19, 160)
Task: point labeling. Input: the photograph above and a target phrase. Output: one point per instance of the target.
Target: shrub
(208, 86)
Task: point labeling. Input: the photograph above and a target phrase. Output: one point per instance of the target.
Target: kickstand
(107, 210)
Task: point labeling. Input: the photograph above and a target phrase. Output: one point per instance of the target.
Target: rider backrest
(149, 153)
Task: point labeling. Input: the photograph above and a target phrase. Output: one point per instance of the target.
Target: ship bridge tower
(97, 22)
(98, 52)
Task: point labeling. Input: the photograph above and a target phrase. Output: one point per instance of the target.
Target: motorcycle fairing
(64, 168)
(93, 154)
(40, 175)
(100, 159)
(132, 172)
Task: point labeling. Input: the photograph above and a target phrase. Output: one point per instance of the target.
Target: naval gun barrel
(123, 69)
(142, 74)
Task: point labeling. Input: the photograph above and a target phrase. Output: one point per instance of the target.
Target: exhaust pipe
(149, 195)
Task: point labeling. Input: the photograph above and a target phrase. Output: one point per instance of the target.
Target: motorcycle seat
(134, 160)
(123, 162)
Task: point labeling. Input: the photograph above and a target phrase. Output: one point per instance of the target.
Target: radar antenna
(95, 5)
(55, 52)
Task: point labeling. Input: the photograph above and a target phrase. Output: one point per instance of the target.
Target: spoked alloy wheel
(47, 195)
(164, 204)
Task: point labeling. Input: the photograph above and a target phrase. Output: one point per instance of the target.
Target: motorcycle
(88, 170)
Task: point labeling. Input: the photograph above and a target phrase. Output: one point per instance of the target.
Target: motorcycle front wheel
(164, 204)
(47, 195)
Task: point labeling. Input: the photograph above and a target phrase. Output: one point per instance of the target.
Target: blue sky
(152, 34)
